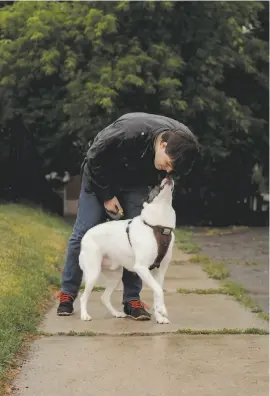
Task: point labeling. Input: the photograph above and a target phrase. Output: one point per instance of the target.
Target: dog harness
(163, 237)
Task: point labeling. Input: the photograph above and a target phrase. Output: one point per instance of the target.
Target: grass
(201, 291)
(218, 271)
(263, 316)
(99, 288)
(244, 263)
(213, 268)
(224, 231)
(32, 248)
(252, 330)
(95, 288)
(184, 242)
(239, 293)
(251, 263)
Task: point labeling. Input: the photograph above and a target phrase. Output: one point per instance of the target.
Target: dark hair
(183, 148)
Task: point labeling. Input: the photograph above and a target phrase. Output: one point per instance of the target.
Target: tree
(68, 69)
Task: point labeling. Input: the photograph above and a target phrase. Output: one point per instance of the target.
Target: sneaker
(135, 309)
(65, 308)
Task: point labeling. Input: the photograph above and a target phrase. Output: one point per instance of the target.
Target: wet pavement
(245, 252)
(147, 366)
(120, 357)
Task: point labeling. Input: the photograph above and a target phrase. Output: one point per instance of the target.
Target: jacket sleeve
(123, 137)
(104, 152)
(99, 157)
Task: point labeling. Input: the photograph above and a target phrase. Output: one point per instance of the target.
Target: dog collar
(162, 230)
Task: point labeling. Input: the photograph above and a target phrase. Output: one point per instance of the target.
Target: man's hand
(113, 205)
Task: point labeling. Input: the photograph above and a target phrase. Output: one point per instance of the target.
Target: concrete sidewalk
(109, 356)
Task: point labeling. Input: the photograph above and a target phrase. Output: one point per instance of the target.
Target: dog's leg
(147, 277)
(90, 263)
(159, 276)
(111, 285)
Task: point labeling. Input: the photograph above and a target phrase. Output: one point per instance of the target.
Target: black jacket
(122, 154)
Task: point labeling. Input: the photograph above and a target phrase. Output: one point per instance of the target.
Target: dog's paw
(161, 319)
(85, 316)
(119, 314)
(162, 310)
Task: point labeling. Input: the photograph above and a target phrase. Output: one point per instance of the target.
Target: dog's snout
(168, 181)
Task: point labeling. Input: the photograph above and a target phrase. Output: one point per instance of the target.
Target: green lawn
(32, 248)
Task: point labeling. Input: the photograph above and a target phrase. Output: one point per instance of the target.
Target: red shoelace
(138, 304)
(64, 297)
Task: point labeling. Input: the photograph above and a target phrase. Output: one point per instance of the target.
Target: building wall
(71, 196)
(70, 207)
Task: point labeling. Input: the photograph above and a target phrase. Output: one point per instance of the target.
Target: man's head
(176, 150)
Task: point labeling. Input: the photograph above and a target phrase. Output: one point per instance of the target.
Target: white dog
(132, 244)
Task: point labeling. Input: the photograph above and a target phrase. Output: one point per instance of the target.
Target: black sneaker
(65, 308)
(135, 310)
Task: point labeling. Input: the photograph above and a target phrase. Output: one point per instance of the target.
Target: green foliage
(68, 69)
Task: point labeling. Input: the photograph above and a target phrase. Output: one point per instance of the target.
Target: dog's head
(163, 192)
(158, 209)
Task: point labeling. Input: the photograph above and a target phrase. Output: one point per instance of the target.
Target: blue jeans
(90, 213)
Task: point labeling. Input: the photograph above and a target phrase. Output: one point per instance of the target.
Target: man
(124, 160)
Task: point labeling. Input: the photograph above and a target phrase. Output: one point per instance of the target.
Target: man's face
(162, 160)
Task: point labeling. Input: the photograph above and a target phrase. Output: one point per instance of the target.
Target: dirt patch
(245, 252)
